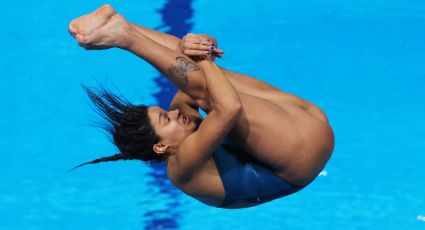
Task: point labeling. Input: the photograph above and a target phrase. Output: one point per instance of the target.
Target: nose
(174, 114)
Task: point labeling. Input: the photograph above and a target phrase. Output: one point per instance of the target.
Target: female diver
(256, 143)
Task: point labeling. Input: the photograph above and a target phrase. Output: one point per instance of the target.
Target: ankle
(133, 38)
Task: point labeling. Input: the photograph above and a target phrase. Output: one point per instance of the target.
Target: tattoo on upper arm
(180, 70)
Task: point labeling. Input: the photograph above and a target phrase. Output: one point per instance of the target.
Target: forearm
(221, 93)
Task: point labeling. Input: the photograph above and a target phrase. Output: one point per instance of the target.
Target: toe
(80, 39)
(105, 11)
(72, 29)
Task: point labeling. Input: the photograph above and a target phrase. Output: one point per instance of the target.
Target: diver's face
(172, 127)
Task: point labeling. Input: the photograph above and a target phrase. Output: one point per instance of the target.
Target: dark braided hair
(118, 156)
(128, 124)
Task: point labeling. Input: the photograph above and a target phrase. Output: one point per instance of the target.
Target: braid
(118, 156)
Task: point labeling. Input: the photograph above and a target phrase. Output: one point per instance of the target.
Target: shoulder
(204, 184)
(178, 171)
(174, 172)
(180, 177)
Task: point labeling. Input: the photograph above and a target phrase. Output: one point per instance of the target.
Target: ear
(159, 148)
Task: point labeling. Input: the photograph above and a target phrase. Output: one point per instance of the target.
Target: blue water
(360, 61)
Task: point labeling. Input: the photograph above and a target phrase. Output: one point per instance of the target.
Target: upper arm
(197, 148)
(180, 100)
(187, 105)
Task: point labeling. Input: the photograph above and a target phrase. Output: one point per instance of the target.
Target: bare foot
(88, 23)
(117, 32)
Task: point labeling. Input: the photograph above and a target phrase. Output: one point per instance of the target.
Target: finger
(215, 49)
(198, 41)
(193, 40)
(196, 52)
(190, 35)
(218, 51)
(219, 55)
(206, 41)
(191, 46)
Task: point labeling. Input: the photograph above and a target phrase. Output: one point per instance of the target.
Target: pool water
(362, 62)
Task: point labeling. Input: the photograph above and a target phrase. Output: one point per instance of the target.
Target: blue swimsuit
(246, 179)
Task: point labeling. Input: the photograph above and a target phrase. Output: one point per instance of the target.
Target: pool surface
(362, 62)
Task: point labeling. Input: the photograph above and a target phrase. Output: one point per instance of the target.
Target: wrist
(206, 63)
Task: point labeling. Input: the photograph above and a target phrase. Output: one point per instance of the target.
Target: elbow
(233, 110)
(237, 107)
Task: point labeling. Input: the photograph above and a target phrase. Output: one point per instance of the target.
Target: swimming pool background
(360, 61)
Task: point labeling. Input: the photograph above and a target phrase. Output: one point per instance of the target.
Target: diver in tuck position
(257, 143)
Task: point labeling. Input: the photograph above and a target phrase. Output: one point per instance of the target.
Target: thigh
(249, 85)
(268, 132)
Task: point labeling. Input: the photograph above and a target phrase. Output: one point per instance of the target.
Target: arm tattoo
(180, 70)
